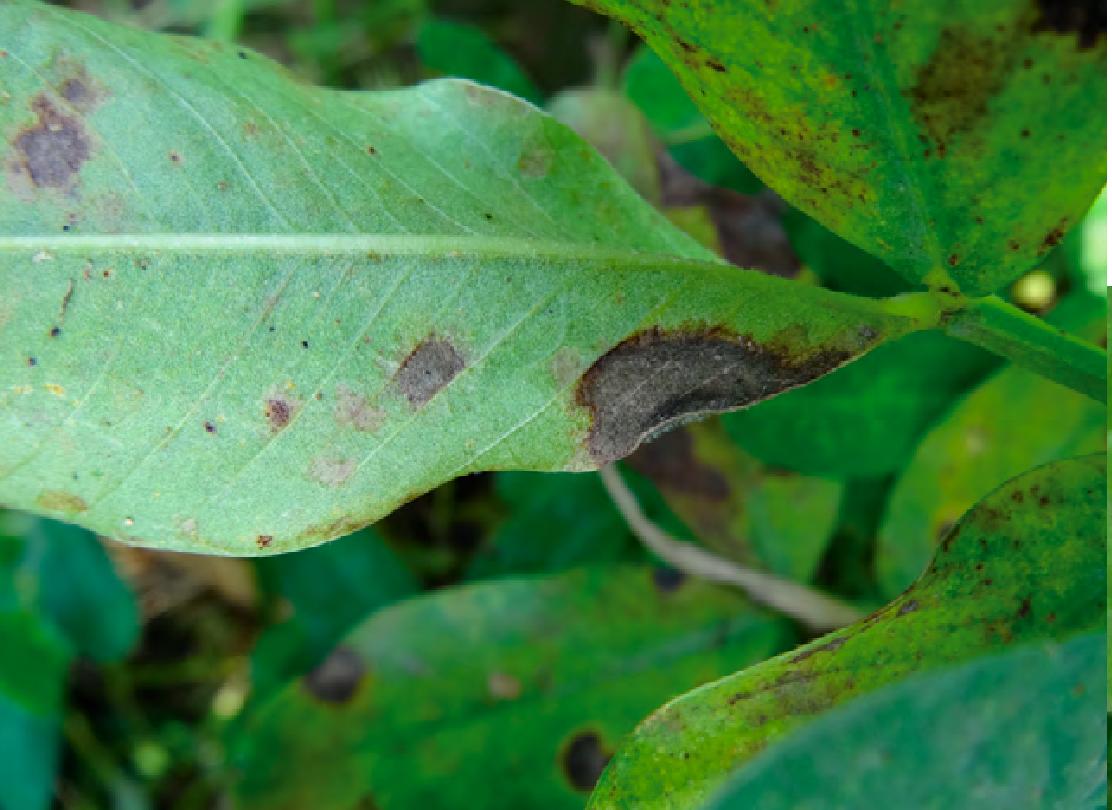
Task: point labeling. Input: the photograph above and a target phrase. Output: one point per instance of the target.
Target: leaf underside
(283, 311)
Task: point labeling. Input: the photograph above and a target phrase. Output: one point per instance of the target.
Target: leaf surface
(1025, 729)
(284, 311)
(918, 131)
(541, 676)
(1011, 422)
(1026, 564)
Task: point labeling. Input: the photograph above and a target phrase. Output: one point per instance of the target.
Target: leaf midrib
(437, 246)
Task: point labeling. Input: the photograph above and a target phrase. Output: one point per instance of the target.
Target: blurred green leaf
(554, 522)
(879, 124)
(330, 588)
(777, 520)
(867, 418)
(1023, 730)
(28, 755)
(840, 265)
(66, 574)
(541, 676)
(616, 128)
(1012, 571)
(675, 119)
(34, 663)
(458, 49)
(1013, 421)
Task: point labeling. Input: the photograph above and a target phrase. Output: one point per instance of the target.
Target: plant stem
(1029, 342)
(815, 610)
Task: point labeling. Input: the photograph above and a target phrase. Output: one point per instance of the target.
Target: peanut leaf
(1025, 729)
(957, 140)
(1026, 564)
(243, 315)
(542, 676)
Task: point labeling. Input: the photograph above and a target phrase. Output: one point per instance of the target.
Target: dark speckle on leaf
(668, 580)
(337, 678)
(584, 760)
(278, 411)
(428, 368)
(1088, 19)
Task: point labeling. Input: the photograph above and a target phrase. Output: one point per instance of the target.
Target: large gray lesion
(428, 368)
(656, 380)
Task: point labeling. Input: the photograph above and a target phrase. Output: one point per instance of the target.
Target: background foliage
(508, 623)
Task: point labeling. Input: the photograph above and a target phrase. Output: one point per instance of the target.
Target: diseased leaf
(865, 419)
(676, 120)
(457, 49)
(1013, 421)
(284, 311)
(776, 520)
(330, 589)
(918, 131)
(541, 676)
(1025, 729)
(1026, 564)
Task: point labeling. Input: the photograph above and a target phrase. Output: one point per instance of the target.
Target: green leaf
(541, 676)
(1013, 421)
(1025, 729)
(777, 520)
(330, 588)
(676, 120)
(616, 128)
(28, 757)
(555, 522)
(34, 665)
(957, 141)
(1026, 564)
(457, 49)
(865, 419)
(67, 576)
(284, 311)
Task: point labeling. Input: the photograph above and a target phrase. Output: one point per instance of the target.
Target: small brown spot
(1025, 133)
(910, 606)
(830, 646)
(55, 331)
(55, 500)
(715, 65)
(535, 162)
(952, 260)
(1024, 608)
(337, 678)
(264, 540)
(371, 150)
(503, 687)
(278, 411)
(210, 427)
(332, 472)
(584, 760)
(175, 157)
(354, 410)
(53, 150)
(32, 362)
(429, 367)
